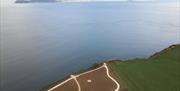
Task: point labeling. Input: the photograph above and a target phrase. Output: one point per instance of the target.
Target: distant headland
(41, 1)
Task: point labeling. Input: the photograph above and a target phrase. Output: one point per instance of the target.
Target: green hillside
(160, 72)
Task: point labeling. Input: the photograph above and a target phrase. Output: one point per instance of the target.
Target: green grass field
(160, 72)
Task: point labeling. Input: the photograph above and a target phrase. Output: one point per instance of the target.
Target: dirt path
(74, 77)
(107, 71)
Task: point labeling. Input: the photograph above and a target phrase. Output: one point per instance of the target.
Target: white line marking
(107, 71)
(75, 76)
(89, 71)
(60, 84)
(89, 81)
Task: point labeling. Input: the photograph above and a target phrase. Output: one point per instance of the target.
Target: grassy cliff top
(160, 72)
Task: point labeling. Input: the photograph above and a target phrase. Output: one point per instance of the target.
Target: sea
(44, 42)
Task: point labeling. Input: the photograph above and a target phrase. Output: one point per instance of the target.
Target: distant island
(32, 1)
(39, 1)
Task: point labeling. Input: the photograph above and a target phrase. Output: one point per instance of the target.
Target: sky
(12, 1)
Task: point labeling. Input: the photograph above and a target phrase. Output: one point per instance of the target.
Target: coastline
(109, 62)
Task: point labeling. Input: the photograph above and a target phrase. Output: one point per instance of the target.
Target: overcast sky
(11, 1)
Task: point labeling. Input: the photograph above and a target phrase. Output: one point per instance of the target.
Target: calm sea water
(41, 43)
